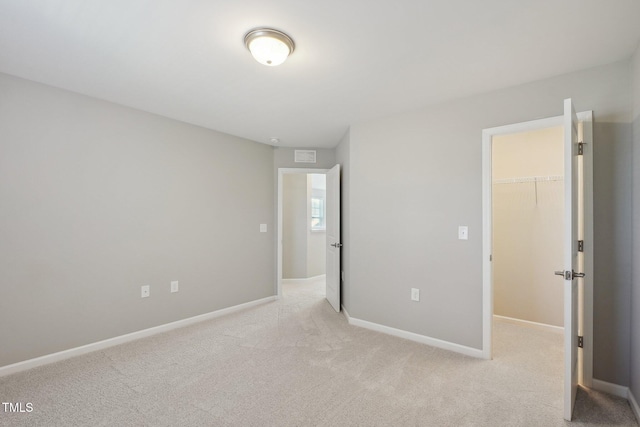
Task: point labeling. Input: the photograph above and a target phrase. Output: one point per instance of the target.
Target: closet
(528, 203)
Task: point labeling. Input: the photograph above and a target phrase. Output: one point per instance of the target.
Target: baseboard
(614, 389)
(634, 406)
(423, 339)
(346, 313)
(305, 279)
(110, 342)
(620, 391)
(528, 323)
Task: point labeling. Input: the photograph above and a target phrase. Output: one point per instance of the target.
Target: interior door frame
(586, 118)
(281, 173)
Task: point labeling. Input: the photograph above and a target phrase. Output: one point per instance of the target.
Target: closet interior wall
(528, 205)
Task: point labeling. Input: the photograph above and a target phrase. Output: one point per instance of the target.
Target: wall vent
(305, 156)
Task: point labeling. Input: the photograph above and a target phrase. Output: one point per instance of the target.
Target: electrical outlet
(174, 286)
(415, 294)
(145, 291)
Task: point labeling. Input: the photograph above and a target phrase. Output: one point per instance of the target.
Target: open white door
(333, 237)
(571, 273)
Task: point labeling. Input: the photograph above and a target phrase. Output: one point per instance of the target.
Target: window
(317, 200)
(317, 214)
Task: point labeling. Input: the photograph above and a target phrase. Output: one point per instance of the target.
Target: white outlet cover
(415, 294)
(145, 291)
(174, 286)
(263, 228)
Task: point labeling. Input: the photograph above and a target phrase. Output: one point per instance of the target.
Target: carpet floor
(296, 362)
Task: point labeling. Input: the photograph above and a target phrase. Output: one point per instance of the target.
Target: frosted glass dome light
(269, 47)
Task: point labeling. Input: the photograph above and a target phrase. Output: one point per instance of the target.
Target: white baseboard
(346, 313)
(304, 279)
(614, 389)
(528, 323)
(423, 339)
(634, 406)
(100, 345)
(620, 391)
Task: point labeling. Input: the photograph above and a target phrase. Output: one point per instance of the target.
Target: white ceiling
(355, 60)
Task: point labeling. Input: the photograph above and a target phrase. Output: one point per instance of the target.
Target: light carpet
(296, 362)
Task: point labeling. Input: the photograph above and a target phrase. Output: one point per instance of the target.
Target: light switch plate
(145, 291)
(463, 232)
(415, 294)
(174, 286)
(263, 228)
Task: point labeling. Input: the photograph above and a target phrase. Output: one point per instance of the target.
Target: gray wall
(415, 177)
(316, 253)
(283, 158)
(635, 300)
(97, 200)
(612, 251)
(294, 226)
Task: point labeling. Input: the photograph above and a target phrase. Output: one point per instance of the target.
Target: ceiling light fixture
(268, 46)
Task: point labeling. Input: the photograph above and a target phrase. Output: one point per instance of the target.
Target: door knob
(568, 275)
(336, 245)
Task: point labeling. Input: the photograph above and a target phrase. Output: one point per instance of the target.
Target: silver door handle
(336, 245)
(568, 275)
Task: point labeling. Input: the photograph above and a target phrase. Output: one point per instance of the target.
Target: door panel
(571, 260)
(333, 237)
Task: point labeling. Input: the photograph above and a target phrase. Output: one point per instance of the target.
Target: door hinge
(580, 148)
(580, 245)
(580, 341)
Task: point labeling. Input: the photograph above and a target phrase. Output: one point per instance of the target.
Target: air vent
(305, 156)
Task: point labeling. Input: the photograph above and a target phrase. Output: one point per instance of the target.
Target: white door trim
(281, 173)
(487, 277)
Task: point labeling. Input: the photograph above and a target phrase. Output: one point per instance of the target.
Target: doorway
(578, 257)
(527, 212)
(528, 222)
(301, 226)
(321, 221)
